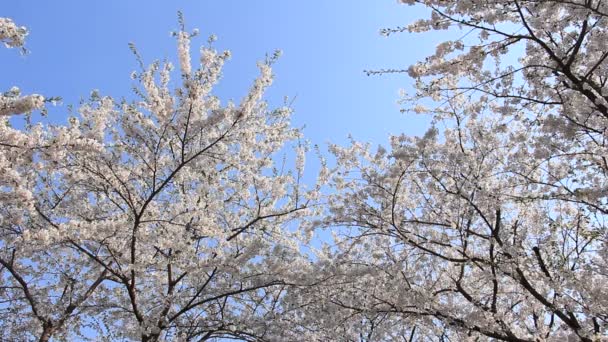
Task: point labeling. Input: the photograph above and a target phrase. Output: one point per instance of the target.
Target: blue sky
(78, 46)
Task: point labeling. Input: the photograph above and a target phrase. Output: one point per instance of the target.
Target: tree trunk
(47, 332)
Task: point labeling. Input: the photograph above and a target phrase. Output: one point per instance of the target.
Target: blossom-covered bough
(162, 218)
(11, 102)
(492, 225)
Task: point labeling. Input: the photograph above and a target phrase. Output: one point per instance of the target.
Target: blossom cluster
(11, 34)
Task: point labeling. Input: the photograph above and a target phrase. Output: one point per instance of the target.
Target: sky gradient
(78, 46)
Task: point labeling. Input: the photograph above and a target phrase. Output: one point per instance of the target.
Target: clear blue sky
(78, 46)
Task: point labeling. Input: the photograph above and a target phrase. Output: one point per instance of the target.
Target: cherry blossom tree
(492, 225)
(22, 294)
(167, 217)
